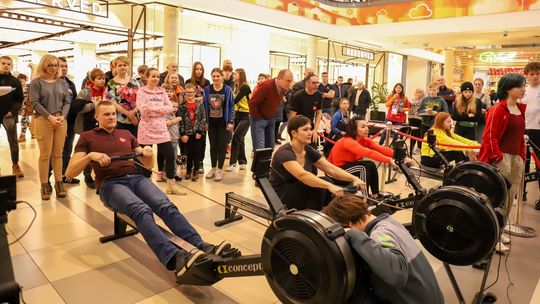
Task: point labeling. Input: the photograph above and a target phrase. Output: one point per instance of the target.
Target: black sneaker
(184, 260)
(537, 205)
(90, 182)
(177, 178)
(215, 249)
(70, 180)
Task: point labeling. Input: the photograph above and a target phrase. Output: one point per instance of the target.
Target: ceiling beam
(53, 35)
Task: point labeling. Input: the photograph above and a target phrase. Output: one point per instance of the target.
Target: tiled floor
(60, 259)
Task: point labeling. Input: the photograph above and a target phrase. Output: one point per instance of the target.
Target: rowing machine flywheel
(481, 177)
(306, 259)
(456, 225)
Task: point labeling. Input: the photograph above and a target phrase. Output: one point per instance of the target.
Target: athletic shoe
(90, 182)
(501, 248)
(505, 239)
(208, 248)
(184, 260)
(211, 173)
(17, 171)
(242, 166)
(230, 168)
(70, 180)
(218, 176)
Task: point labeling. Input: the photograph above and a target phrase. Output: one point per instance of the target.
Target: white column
(171, 29)
(311, 58)
(84, 58)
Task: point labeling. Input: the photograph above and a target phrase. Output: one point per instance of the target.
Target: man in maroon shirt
(262, 107)
(121, 186)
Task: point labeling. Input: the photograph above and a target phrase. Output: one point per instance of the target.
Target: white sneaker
(230, 168)
(218, 176)
(211, 173)
(501, 248)
(242, 166)
(505, 239)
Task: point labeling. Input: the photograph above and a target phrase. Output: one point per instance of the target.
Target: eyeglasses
(52, 66)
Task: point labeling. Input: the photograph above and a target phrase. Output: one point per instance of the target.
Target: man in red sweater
(262, 107)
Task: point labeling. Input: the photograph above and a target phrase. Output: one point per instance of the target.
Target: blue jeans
(137, 197)
(262, 133)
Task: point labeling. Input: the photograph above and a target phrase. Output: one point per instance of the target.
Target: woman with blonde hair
(50, 100)
(123, 92)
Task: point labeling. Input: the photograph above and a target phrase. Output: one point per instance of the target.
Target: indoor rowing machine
(122, 221)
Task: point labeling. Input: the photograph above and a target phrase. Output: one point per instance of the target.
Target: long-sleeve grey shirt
(49, 97)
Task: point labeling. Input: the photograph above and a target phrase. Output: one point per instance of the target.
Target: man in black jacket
(10, 104)
(72, 114)
(446, 93)
(359, 99)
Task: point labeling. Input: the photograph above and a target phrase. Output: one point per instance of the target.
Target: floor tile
(58, 262)
(171, 296)
(126, 281)
(27, 273)
(42, 294)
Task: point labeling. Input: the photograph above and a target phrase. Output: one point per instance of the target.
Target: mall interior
(55, 254)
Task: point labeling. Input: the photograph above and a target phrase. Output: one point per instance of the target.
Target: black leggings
(194, 151)
(415, 122)
(534, 137)
(167, 155)
(436, 162)
(217, 135)
(300, 196)
(372, 175)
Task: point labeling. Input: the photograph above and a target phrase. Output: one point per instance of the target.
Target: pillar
(449, 68)
(311, 54)
(84, 57)
(171, 28)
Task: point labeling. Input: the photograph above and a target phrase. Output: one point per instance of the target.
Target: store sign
(492, 57)
(357, 53)
(503, 71)
(89, 7)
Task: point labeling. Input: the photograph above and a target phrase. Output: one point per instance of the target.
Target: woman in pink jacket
(154, 105)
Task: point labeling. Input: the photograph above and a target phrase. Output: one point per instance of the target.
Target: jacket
(187, 127)
(400, 272)
(228, 106)
(12, 101)
(363, 101)
(154, 107)
(265, 100)
(496, 123)
(348, 150)
(443, 138)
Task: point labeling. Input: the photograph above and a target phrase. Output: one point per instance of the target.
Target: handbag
(467, 124)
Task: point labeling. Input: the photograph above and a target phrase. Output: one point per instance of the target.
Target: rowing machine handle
(125, 157)
(351, 188)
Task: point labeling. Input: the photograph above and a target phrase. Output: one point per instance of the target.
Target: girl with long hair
(467, 112)
(241, 94)
(442, 129)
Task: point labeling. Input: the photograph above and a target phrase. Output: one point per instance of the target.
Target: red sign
(503, 71)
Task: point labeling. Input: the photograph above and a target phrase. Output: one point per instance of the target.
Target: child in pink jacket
(154, 106)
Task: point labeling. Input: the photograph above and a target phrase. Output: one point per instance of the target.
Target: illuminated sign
(503, 71)
(357, 53)
(492, 57)
(89, 7)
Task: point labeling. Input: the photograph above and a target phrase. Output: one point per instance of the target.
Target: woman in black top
(219, 103)
(467, 112)
(241, 94)
(293, 173)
